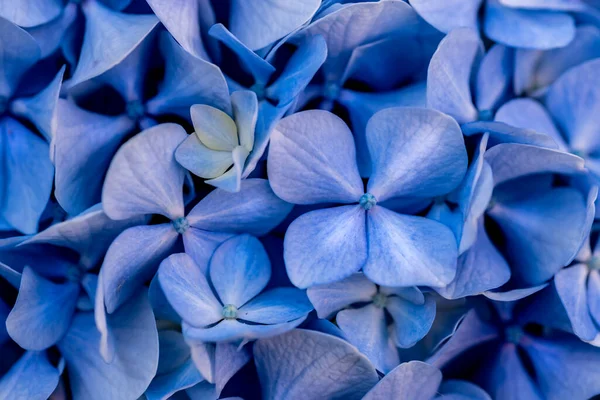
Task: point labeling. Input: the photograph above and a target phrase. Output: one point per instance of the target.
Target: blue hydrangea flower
(515, 195)
(144, 179)
(362, 309)
(511, 359)
(531, 24)
(227, 305)
(312, 161)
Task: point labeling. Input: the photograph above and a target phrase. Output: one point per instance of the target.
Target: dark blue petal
(32, 378)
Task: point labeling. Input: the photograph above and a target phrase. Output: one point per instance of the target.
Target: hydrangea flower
(509, 358)
(220, 145)
(312, 161)
(362, 309)
(145, 179)
(227, 304)
(531, 24)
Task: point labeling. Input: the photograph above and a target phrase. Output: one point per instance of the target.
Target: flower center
(331, 91)
(260, 90)
(229, 311)
(74, 274)
(135, 109)
(367, 201)
(486, 115)
(513, 333)
(380, 300)
(181, 225)
(594, 263)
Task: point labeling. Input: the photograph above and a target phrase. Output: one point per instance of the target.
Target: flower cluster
(299, 199)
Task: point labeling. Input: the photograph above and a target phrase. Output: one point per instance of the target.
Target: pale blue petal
(83, 146)
(409, 250)
(367, 329)
(504, 133)
(214, 128)
(254, 209)
(276, 306)
(28, 13)
(188, 291)
(231, 330)
(27, 175)
(571, 286)
(287, 367)
(43, 311)
(462, 390)
(450, 73)
(245, 113)
(239, 270)
(200, 245)
(188, 80)
(450, 14)
(182, 19)
(110, 36)
(136, 353)
(325, 246)
(312, 160)
(330, 298)
(200, 160)
(494, 77)
(132, 259)
(531, 29)
(31, 378)
(231, 181)
(414, 380)
(411, 321)
(144, 177)
(19, 52)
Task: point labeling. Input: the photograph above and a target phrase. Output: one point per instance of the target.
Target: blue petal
(49, 36)
(494, 77)
(503, 133)
(480, 268)
(229, 359)
(411, 321)
(43, 311)
(27, 175)
(276, 306)
(357, 24)
(231, 330)
(529, 114)
(182, 19)
(450, 14)
(263, 22)
(127, 376)
(200, 245)
(28, 13)
(573, 101)
(239, 270)
(260, 69)
(450, 73)
(31, 378)
(409, 250)
(244, 105)
(109, 38)
(426, 157)
(325, 246)
(188, 291)
(299, 70)
(89, 234)
(367, 329)
(41, 108)
(312, 160)
(471, 331)
(508, 378)
(188, 80)
(160, 305)
(565, 368)
(538, 242)
(254, 209)
(363, 105)
(514, 294)
(328, 299)
(532, 29)
(231, 181)
(83, 146)
(412, 380)
(571, 285)
(201, 160)
(593, 289)
(132, 258)
(462, 390)
(20, 52)
(144, 178)
(287, 368)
